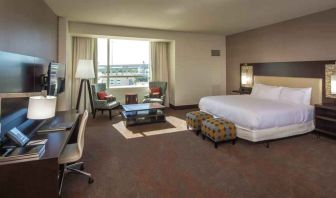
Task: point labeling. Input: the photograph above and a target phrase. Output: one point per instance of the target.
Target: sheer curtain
(160, 64)
(82, 48)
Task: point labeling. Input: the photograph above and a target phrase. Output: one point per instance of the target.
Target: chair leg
(94, 113)
(79, 171)
(216, 144)
(61, 179)
(102, 112)
(110, 112)
(233, 141)
(82, 173)
(79, 165)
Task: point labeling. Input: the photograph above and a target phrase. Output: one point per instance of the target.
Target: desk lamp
(41, 107)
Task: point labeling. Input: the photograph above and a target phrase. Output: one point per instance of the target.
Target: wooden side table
(131, 98)
(325, 119)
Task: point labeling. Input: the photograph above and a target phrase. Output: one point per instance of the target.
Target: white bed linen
(254, 114)
(275, 133)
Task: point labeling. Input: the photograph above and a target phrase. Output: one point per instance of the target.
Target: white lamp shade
(333, 84)
(85, 69)
(41, 107)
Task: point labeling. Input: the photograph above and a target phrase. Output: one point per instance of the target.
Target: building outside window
(123, 63)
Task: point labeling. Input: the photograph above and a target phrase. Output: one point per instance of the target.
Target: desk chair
(72, 153)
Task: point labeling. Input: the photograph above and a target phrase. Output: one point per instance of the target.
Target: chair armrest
(100, 103)
(111, 99)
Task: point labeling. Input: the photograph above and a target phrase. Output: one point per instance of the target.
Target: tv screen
(56, 78)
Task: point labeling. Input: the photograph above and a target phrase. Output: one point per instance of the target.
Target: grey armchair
(159, 99)
(104, 105)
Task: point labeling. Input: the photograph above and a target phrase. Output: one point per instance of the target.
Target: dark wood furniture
(325, 119)
(243, 90)
(39, 178)
(145, 113)
(21, 73)
(131, 98)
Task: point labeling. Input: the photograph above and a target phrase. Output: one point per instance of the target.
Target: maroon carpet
(181, 164)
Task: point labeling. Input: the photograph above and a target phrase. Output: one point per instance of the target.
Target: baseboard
(181, 107)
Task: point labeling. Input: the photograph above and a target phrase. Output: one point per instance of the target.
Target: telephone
(17, 136)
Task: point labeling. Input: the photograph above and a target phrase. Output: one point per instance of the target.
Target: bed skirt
(275, 133)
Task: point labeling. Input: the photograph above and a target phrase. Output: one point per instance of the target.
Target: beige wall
(28, 27)
(197, 74)
(312, 37)
(64, 57)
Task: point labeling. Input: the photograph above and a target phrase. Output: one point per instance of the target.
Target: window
(123, 63)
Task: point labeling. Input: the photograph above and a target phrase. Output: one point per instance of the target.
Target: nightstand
(325, 119)
(243, 91)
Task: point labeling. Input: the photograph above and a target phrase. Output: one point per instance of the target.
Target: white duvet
(252, 113)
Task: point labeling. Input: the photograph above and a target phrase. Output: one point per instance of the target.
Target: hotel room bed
(259, 119)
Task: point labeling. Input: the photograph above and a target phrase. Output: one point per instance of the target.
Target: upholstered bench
(218, 130)
(194, 120)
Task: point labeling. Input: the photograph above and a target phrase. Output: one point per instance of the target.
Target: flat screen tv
(56, 78)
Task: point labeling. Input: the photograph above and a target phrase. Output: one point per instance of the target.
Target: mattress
(260, 119)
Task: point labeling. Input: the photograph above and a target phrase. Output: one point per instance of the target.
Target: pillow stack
(284, 94)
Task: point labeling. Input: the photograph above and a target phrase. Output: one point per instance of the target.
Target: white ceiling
(208, 16)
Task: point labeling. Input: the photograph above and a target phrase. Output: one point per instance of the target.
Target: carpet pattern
(180, 164)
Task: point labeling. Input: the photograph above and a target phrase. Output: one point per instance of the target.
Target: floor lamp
(84, 72)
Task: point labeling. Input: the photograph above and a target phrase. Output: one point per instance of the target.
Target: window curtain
(82, 48)
(160, 64)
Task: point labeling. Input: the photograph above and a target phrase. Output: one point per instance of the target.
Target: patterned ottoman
(218, 130)
(194, 119)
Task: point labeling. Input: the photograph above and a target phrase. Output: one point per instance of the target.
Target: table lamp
(84, 72)
(41, 107)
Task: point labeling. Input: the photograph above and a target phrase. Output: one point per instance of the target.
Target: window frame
(109, 75)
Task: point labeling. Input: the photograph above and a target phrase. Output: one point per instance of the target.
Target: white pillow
(306, 99)
(255, 89)
(290, 95)
(266, 91)
(296, 95)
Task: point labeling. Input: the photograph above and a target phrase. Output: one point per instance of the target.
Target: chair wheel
(91, 180)
(81, 167)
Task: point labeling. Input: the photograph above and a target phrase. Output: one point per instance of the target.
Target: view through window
(123, 62)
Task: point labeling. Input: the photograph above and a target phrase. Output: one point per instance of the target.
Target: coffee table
(145, 113)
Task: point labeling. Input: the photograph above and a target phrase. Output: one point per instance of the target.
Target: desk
(39, 178)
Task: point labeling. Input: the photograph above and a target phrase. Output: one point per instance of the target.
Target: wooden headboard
(294, 74)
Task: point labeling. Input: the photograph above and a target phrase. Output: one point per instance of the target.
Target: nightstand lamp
(41, 107)
(246, 76)
(330, 82)
(246, 79)
(333, 84)
(84, 72)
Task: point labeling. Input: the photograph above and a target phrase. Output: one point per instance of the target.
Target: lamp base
(86, 84)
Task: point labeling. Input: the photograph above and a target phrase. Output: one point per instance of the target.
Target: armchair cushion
(153, 100)
(155, 92)
(102, 95)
